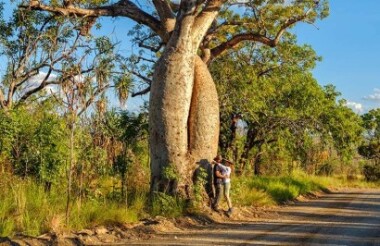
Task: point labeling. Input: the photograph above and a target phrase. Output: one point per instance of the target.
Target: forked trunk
(204, 115)
(188, 137)
(204, 122)
(180, 138)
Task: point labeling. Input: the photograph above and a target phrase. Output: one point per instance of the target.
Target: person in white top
(226, 172)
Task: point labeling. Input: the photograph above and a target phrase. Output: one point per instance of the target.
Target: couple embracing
(222, 182)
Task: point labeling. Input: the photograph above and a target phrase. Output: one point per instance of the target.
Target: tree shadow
(351, 221)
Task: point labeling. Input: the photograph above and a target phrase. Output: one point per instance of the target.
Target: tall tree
(278, 101)
(273, 95)
(184, 109)
(371, 123)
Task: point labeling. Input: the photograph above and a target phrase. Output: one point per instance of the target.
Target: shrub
(168, 206)
(371, 172)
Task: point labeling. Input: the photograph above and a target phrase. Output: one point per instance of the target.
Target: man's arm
(219, 175)
(218, 172)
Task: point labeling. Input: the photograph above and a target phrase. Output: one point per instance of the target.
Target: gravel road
(347, 217)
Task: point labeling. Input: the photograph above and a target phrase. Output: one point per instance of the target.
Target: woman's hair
(218, 158)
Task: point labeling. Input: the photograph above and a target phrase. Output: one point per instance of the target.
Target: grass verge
(26, 208)
(262, 191)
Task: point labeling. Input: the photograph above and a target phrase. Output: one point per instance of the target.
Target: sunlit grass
(26, 208)
(261, 190)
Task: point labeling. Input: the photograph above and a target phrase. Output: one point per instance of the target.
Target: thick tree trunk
(204, 122)
(180, 138)
(204, 115)
(170, 99)
(187, 136)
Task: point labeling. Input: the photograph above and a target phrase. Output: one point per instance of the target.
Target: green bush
(168, 206)
(371, 172)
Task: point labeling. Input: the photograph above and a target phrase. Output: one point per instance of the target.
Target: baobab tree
(184, 107)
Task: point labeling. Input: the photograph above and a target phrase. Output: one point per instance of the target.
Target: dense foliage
(370, 150)
(275, 115)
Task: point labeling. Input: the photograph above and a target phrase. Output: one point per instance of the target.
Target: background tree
(278, 105)
(77, 93)
(371, 123)
(370, 149)
(38, 48)
(31, 144)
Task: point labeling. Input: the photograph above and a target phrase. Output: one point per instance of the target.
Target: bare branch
(164, 9)
(123, 8)
(92, 98)
(151, 48)
(146, 59)
(143, 92)
(142, 77)
(231, 43)
(38, 88)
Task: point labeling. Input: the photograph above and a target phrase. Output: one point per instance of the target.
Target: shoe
(216, 209)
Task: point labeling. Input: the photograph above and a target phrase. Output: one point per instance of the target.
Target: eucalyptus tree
(184, 108)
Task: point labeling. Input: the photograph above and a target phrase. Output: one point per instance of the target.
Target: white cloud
(37, 79)
(374, 97)
(356, 107)
(34, 81)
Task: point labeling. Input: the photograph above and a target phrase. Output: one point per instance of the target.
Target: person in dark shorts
(218, 171)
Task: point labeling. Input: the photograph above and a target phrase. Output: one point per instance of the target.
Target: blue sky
(349, 42)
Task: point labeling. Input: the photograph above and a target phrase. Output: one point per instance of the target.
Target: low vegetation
(27, 208)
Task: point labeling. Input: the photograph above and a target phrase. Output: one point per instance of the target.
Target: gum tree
(184, 107)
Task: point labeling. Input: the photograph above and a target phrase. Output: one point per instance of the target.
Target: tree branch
(143, 92)
(141, 77)
(204, 20)
(43, 84)
(165, 13)
(231, 43)
(123, 8)
(288, 23)
(148, 47)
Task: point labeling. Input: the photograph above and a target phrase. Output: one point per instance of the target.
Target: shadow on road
(336, 218)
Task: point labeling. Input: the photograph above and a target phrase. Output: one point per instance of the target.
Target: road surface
(350, 217)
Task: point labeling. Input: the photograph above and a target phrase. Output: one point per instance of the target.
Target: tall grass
(26, 208)
(259, 191)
